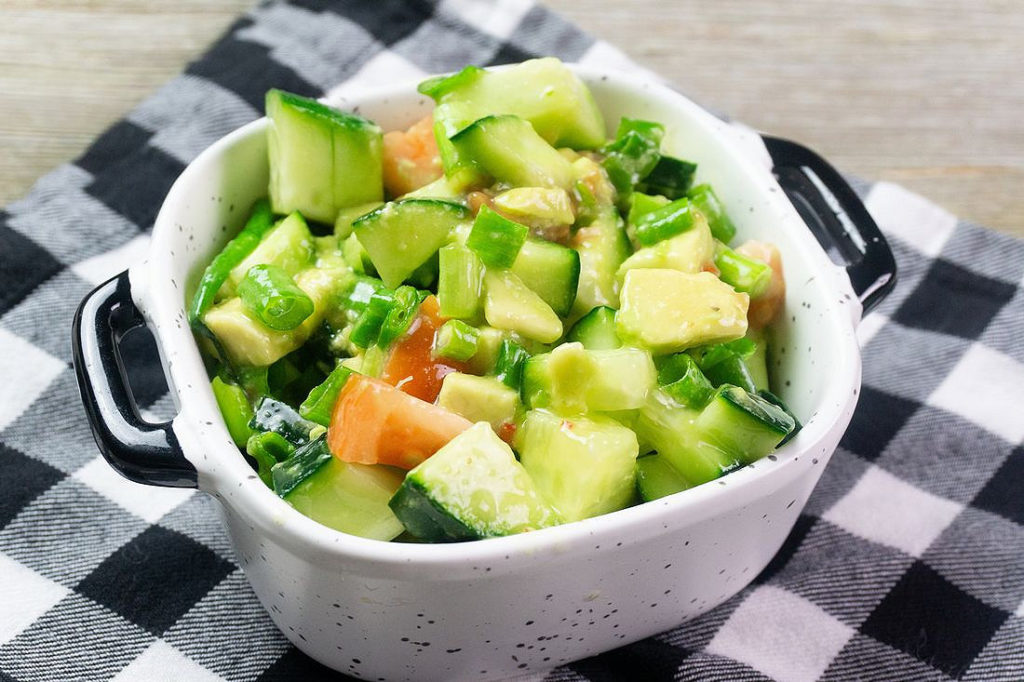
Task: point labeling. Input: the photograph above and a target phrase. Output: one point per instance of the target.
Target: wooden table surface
(927, 93)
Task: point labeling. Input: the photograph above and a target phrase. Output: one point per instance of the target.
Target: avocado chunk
(288, 245)
(571, 379)
(479, 399)
(509, 304)
(667, 311)
(541, 208)
(689, 251)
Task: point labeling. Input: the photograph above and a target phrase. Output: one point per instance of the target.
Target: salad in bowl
(494, 321)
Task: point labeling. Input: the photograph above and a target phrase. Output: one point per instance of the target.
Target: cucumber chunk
(656, 478)
(551, 271)
(743, 423)
(508, 150)
(321, 160)
(603, 246)
(668, 311)
(566, 114)
(352, 498)
(583, 467)
(509, 304)
(402, 235)
(471, 488)
(596, 330)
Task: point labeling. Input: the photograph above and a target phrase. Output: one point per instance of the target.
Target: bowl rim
(227, 476)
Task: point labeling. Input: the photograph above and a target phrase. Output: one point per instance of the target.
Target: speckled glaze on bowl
(492, 608)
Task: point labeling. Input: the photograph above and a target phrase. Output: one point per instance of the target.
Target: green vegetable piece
(596, 330)
(235, 408)
(509, 367)
(681, 378)
(402, 235)
(778, 402)
(471, 488)
(271, 295)
(664, 222)
(358, 297)
(706, 201)
(407, 302)
(670, 177)
(511, 305)
(640, 204)
(460, 282)
(479, 399)
(742, 273)
(321, 160)
(496, 239)
(456, 340)
(261, 219)
(268, 448)
(352, 498)
(306, 461)
(743, 424)
(551, 271)
(319, 405)
(582, 466)
(274, 415)
(657, 478)
(367, 328)
(633, 154)
(439, 86)
(509, 150)
(726, 363)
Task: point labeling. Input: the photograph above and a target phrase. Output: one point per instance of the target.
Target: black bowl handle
(140, 451)
(836, 217)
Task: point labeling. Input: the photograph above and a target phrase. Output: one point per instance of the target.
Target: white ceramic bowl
(490, 608)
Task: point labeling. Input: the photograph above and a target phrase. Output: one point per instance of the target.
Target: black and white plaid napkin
(908, 562)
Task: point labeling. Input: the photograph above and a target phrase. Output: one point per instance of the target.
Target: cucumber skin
(425, 518)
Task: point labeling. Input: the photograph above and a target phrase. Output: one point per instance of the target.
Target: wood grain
(926, 93)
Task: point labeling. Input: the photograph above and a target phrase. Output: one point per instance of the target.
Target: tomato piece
(411, 366)
(411, 158)
(374, 423)
(765, 308)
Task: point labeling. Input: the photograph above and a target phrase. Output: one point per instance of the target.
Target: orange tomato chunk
(411, 158)
(411, 366)
(374, 423)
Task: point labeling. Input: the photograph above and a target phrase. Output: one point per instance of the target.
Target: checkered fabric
(907, 564)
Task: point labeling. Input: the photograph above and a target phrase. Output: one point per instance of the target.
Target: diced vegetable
(306, 461)
(374, 423)
(460, 282)
(583, 467)
(352, 498)
(496, 240)
(743, 274)
(511, 359)
(235, 408)
(510, 304)
(603, 246)
(321, 159)
(507, 149)
(472, 488)
(541, 208)
(274, 415)
(681, 378)
(571, 380)
(668, 311)
(319, 405)
(270, 295)
(664, 222)
(691, 251)
(551, 271)
(670, 177)
(401, 235)
(268, 448)
(407, 302)
(657, 478)
(596, 330)
(456, 340)
(706, 201)
(288, 245)
(260, 221)
(367, 328)
(411, 364)
(479, 399)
